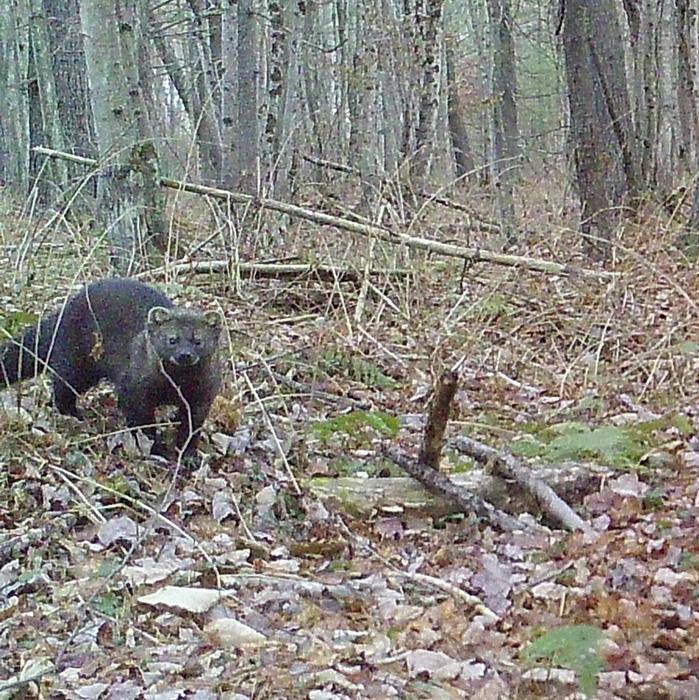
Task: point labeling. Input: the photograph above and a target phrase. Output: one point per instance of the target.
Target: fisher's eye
(173, 340)
(196, 341)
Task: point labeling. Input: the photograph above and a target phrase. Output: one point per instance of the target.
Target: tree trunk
(248, 168)
(127, 188)
(69, 72)
(428, 19)
(505, 141)
(229, 88)
(461, 146)
(365, 117)
(685, 19)
(277, 74)
(14, 96)
(600, 123)
(45, 122)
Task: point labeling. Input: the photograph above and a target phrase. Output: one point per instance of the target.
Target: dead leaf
(194, 600)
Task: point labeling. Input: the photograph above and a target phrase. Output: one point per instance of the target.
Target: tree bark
(127, 188)
(461, 146)
(602, 132)
(685, 27)
(428, 20)
(248, 135)
(14, 96)
(505, 139)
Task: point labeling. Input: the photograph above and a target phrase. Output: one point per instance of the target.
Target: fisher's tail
(26, 355)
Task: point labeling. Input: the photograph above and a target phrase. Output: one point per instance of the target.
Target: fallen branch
(507, 466)
(440, 484)
(426, 467)
(483, 223)
(450, 589)
(277, 270)
(447, 249)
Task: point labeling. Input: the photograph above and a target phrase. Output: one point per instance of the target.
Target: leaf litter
(122, 576)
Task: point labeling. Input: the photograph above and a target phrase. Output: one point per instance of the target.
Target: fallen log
(327, 273)
(364, 496)
(426, 467)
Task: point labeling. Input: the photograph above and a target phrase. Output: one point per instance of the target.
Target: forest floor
(125, 576)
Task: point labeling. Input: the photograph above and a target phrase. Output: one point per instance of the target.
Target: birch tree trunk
(14, 96)
(229, 92)
(277, 75)
(428, 17)
(248, 134)
(365, 109)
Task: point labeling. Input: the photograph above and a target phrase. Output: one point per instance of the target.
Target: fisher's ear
(158, 315)
(213, 319)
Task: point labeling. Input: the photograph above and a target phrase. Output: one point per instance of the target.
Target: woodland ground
(322, 374)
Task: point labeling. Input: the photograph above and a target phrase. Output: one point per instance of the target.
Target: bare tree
(229, 94)
(14, 97)
(194, 65)
(248, 128)
(428, 17)
(645, 27)
(69, 73)
(685, 27)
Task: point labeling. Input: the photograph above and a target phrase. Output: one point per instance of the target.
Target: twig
(450, 589)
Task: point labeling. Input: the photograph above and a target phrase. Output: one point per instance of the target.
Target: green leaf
(11, 324)
(687, 347)
(109, 604)
(336, 362)
(361, 426)
(574, 647)
(605, 440)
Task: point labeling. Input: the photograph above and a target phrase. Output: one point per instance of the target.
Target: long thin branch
(322, 272)
(447, 249)
(484, 223)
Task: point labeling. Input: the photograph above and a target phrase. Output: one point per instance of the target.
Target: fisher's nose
(185, 358)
